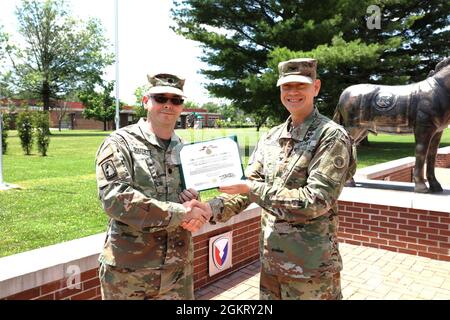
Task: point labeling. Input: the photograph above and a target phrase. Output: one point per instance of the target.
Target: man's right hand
(197, 214)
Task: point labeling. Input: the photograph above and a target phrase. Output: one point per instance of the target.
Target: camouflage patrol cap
(297, 70)
(165, 83)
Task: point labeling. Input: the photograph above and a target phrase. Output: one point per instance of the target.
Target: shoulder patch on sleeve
(109, 169)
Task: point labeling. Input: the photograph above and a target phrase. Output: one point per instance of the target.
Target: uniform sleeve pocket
(109, 167)
(335, 161)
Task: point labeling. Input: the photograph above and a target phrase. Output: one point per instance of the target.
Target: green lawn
(58, 202)
(386, 147)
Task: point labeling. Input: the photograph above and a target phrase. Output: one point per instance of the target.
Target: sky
(146, 43)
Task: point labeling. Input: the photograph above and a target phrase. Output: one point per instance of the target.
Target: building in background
(71, 115)
(197, 118)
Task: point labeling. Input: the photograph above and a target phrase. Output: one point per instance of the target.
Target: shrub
(5, 127)
(42, 126)
(233, 124)
(24, 124)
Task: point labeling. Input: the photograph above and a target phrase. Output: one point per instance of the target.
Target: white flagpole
(117, 62)
(3, 185)
(1, 151)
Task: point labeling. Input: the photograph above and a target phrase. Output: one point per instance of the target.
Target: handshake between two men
(197, 213)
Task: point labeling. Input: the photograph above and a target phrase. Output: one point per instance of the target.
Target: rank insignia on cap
(109, 170)
(339, 162)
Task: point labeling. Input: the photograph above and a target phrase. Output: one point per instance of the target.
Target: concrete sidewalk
(369, 274)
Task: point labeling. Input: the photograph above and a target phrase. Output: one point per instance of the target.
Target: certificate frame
(183, 167)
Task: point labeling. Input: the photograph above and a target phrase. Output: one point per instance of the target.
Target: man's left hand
(243, 187)
(188, 195)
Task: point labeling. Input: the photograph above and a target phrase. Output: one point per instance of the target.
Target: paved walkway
(369, 274)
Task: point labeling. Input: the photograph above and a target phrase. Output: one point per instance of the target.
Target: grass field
(58, 201)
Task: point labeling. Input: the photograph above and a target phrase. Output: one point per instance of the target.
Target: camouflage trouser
(273, 287)
(144, 284)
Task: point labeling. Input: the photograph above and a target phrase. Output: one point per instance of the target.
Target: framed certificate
(209, 164)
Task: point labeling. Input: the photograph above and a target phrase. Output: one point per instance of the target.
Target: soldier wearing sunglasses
(148, 251)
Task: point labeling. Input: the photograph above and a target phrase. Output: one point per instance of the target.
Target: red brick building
(71, 115)
(200, 116)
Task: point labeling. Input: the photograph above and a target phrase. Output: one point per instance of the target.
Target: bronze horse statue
(421, 108)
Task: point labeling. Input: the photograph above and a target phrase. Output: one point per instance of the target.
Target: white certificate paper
(209, 164)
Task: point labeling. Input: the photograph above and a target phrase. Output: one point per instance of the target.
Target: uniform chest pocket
(272, 155)
(298, 170)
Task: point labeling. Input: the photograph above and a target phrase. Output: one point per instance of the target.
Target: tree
(42, 129)
(4, 74)
(226, 110)
(61, 109)
(243, 41)
(3, 42)
(4, 118)
(5, 85)
(59, 53)
(99, 105)
(139, 107)
(260, 116)
(191, 105)
(24, 124)
(211, 107)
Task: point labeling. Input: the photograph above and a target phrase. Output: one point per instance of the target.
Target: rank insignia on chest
(308, 135)
(109, 170)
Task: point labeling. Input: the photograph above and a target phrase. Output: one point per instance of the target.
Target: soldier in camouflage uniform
(296, 174)
(148, 251)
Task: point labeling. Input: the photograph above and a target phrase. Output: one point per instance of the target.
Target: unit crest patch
(109, 170)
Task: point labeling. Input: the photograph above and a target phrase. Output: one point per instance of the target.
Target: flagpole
(3, 185)
(1, 150)
(116, 11)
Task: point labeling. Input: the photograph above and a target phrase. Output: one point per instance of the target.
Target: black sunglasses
(163, 99)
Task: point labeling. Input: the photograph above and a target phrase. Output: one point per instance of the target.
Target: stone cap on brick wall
(384, 168)
(37, 267)
(396, 194)
(444, 150)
